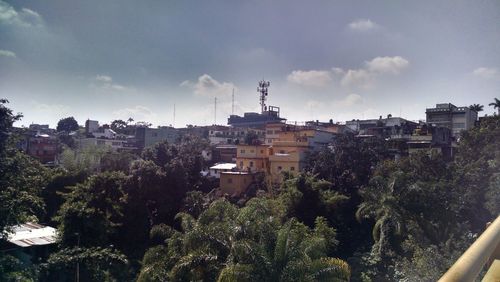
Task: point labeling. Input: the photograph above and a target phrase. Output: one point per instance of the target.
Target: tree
(495, 105)
(118, 125)
(476, 107)
(21, 178)
(253, 243)
(67, 125)
(92, 211)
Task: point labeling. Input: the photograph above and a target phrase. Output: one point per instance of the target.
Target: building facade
(457, 119)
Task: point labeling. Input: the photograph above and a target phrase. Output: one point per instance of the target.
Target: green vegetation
(355, 214)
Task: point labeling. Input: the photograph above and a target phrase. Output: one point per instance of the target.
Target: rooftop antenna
(215, 110)
(232, 105)
(174, 115)
(263, 85)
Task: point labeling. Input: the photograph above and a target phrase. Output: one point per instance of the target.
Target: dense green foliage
(67, 125)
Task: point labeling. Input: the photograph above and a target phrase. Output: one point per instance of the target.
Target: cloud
(7, 53)
(24, 18)
(361, 77)
(366, 77)
(105, 82)
(207, 86)
(392, 65)
(487, 73)
(350, 100)
(316, 78)
(104, 78)
(362, 25)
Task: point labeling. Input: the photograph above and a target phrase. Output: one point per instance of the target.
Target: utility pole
(215, 111)
(174, 115)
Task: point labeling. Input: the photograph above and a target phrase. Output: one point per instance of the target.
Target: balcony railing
(485, 251)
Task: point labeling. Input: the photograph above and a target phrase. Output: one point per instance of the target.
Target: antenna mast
(174, 115)
(262, 89)
(232, 105)
(215, 110)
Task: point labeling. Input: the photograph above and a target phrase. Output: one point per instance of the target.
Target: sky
(325, 59)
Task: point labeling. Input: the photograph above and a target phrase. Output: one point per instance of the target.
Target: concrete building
(382, 127)
(42, 147)
(146, 137)
(91, 126)
(224, 153)
(448, 115)
(252, 158)
(235, 183)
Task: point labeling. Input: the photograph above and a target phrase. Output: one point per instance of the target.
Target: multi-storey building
(43, 147)
(146, 137)
(455, 118)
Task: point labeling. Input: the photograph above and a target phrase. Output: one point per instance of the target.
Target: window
(262, 151)
(279, 168)
(282, 151)
(251, 164)
(242, 151)
(241, 163)
(252, 151)
(292, 168)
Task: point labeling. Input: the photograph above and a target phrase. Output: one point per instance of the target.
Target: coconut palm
(381, 203)
(297, 254)
(476, 107)
(495, 105)
(226, 243)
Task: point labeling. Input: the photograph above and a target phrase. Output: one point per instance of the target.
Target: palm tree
(476, 107)
(381, 203)
(296, 255)
(226, 243)
(496, 105)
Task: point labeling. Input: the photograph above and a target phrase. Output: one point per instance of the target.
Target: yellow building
(252, 158)
(235, 183)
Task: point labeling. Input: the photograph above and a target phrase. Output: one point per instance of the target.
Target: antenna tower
(215, 110)
(232, 105)
(262, 89)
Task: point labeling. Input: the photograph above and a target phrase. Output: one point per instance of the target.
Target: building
(146, 137)
(289, 150)
(427, 138)
(42, 147)
(91, 126)
(448, 115)
(224, 153)
(235, 183)
(252, 158)
(113, 144)
(382, 127)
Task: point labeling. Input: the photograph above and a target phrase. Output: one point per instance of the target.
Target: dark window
(251, 164)
(279, 168)
(292, 168)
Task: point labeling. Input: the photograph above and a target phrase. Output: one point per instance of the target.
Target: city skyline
(325, 60)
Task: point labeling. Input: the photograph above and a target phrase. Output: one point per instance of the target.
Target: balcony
(484, 252)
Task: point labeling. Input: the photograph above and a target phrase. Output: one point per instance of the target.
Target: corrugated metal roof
(30, 234)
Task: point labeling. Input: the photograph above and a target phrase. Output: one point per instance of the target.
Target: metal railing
(480, 254)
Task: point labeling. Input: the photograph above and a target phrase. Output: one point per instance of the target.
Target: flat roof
(221, 166)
